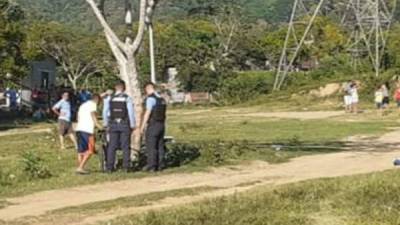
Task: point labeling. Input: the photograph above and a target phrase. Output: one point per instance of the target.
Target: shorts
(348, 100)
(386, 101)
(354, 100)
(64, 127)
(86, 142)
(379, 105)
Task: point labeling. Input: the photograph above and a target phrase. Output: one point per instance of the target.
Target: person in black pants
(119, 119)
(153, 126)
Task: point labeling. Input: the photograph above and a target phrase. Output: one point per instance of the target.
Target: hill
(77, 12)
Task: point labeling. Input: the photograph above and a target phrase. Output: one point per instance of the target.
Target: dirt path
(24, 131)
(295, 115)
(303, 168)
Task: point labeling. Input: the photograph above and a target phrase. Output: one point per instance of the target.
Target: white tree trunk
(129, 74)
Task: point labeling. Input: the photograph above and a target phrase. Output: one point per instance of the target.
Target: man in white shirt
(87, 122)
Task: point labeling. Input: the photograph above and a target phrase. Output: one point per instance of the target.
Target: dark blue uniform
(119, 117)
(155, 132)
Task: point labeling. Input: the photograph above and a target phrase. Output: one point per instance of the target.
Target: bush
(5, 178)
(218, 153)
(181, 154)
(245, 86)
(34, 166)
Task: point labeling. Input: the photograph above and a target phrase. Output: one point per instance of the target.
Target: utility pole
(152, 56)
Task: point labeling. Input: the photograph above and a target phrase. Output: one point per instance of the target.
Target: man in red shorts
(87, 121)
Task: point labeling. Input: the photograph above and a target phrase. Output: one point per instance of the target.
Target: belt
(120, 120)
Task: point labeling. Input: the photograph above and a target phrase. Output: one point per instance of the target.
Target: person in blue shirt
(12, 95)
(153, 126)
(120, 120)
(63, 111)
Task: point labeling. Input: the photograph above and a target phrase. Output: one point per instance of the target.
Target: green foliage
(245, 86)
(34, 166)
(11, 39)
(5, 178)
(181, 154)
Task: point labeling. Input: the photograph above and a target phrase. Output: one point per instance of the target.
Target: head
(120, 86)
(149, 88)
(65, 96)
(96, 98)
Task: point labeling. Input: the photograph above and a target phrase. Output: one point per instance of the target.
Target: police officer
(119, 118)
(153, 126)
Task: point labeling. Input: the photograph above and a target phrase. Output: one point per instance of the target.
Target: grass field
(187, 126)
(358, 200)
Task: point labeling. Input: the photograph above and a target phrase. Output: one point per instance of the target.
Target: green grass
(358, 200)
(186, 128)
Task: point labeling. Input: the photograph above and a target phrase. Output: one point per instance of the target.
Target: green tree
(11, 39)
(79, 55)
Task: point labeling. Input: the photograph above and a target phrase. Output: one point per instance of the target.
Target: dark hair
(95, 96)
(149, 84)
(120, 83)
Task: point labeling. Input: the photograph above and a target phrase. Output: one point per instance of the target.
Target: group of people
(382, 97)
(119, 121)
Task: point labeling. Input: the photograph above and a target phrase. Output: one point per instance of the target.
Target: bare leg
(85, 158)
(62, 142)
(73, 139)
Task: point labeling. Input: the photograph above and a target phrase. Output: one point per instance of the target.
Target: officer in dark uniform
(119, 118)
(153, 126)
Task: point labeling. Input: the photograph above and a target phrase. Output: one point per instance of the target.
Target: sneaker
(396, 162)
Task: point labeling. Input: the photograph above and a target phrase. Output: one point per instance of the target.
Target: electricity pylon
(367, 22)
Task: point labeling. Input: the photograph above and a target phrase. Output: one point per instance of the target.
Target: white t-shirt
(85, 120)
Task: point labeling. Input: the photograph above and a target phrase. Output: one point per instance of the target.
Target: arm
(131, 113)
(145, 120)
(150, 103)
(56, 108)
(96, 122)
(106, 111)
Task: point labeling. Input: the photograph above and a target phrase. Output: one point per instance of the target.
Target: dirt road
(303, 168)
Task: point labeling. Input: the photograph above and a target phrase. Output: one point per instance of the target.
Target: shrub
(34, 166)
(181, 154)
(217, 152)
(5, 178)
(245, 86)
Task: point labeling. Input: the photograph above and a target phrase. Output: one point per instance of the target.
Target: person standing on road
(386, 96)
(87, 121)
(119, 118)
(63, 110)
(347, 96)
(153, 126)
(354, 98)
(397, 96)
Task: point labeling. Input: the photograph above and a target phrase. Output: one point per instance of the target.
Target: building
(42, 77)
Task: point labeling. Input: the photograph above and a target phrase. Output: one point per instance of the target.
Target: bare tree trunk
(125, 53)
(129, 74)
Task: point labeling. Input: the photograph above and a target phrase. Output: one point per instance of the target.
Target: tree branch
(106, 27)
(142, 24)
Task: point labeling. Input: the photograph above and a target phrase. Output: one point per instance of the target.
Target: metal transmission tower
(369, 22)
(366, 20)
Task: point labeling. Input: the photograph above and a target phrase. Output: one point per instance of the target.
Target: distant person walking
(354, 97)
(379, 100)
(12, 96)
(87, 121)
(63, 110)
(347, 96)
(153, 126)
(119, 118)
(386, 96)
(397, 95)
